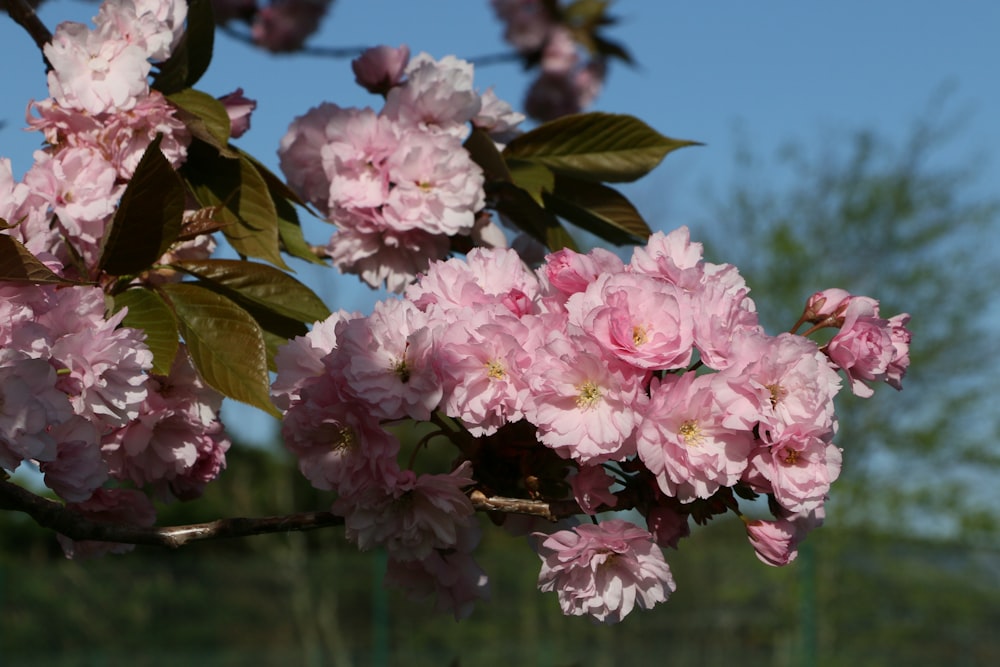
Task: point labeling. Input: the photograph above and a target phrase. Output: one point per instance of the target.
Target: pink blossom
(639, 319)
(284, 25)
(592, 488)
(554, 94)
(559, 55)
(497, 117)
(102, 365)
(95, 71)
(300, 360)
(900, 336)
(794, 382)
(867, 345)
(339, 445)
(411, 517)
(451, 576)
(153, 25)
(77, 469)
(80, 186)
(696, 434)
(387, 257)
(387, 362)
(570, 272)
(12, 194)
(436, 186)
(776, 542)
(797, 468)
(527, 22)
(725, 313)
(827, 306)
(582, 401)
(113, 506)
(176, 442)
(437, 95)
(603, 570)
(29, 403)
(127, 135)
(238, 108)
(494, 278)
(482, 365)
(65, 126)
(301, 150)
(358, 145)
(381, 68)
(672, 257)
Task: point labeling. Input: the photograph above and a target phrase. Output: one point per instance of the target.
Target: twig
(24, 15)
(70, 523)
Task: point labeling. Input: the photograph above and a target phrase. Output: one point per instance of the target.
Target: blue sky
(778, 70)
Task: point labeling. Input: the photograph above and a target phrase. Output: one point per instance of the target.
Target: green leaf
(608, 48)
(18, 265)
(279, 189)
(599, 209)
(557, 238)
(225, 343)
(595, 147)
(532, 177)
(260, 284)
(204, 116)
(483, 152)
(289, 229)
(243, 197)
(293, 241)
(520, 209)
(147, 311)
(273, 342)
(193, 53)
(148, 219)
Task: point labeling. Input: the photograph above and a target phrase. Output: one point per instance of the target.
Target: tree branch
(24, 15)
(70, 523)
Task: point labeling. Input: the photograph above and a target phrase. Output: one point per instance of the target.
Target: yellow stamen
(495, 370)
(691, 433)
(639, 335)
(590, 395)
(777, 393)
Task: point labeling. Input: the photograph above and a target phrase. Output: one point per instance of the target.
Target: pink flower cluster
(78, 400)
(397, 183)
(77, 395)
(652, 382)
(568, 81)
(99, 120)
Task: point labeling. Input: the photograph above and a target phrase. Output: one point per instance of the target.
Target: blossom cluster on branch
(647, 386)
(563, 386)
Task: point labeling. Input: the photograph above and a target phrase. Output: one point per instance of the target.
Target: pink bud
(239, 109)
(828, 304)
(776, 542)
(380, 68)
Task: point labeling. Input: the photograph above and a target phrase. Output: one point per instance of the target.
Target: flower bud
(829, 304)
(380, 68)
(239, 109)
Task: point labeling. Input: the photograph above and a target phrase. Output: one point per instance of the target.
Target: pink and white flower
(603, 571)
(696, 434)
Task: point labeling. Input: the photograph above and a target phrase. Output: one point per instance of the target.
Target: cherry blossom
(604, 570)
